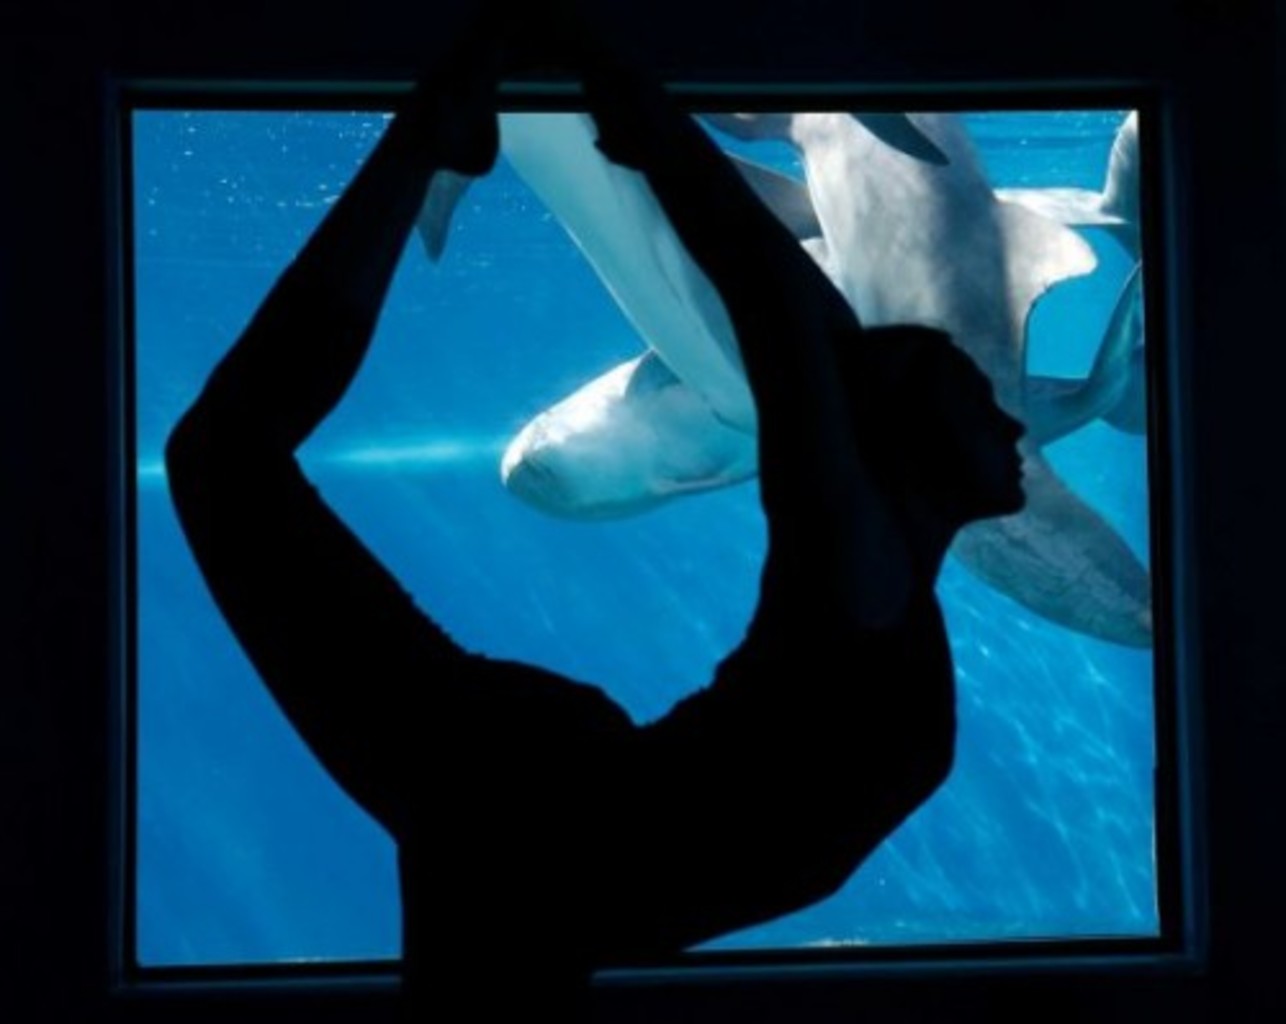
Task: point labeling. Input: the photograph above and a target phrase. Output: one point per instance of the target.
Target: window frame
(1180, 949)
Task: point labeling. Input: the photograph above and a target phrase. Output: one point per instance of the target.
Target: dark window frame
(1181, 947)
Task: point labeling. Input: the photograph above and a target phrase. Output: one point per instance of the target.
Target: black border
(1181, 943)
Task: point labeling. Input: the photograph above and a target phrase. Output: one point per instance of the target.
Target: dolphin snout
(527, 477)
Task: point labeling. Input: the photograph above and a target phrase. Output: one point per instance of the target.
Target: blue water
(247, 852)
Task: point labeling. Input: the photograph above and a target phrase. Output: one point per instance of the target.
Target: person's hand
(452, 111)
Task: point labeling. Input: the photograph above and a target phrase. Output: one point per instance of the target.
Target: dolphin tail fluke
(1063, 561)
(446, 188)
(1115, 389)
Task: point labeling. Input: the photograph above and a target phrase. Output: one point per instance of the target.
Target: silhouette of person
(541, 834)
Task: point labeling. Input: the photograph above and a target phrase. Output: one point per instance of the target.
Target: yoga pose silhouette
(542, 834)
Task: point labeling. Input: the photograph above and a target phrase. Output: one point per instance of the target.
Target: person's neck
(929, 535)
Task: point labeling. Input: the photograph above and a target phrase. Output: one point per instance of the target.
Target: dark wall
(59, 520)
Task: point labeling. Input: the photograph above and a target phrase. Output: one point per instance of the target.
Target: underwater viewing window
(1055, 831)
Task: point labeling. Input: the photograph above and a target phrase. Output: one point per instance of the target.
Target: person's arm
(822, 505)
(302, 349)
(340, 645)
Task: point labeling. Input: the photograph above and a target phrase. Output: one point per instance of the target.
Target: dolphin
(613, 217)
(611, 214)
(1115, 390)
(630, 439)
(585, 457)
(604, 451)
(909, 242)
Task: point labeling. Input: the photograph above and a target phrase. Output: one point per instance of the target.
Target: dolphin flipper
(680, 419)
(1062, 560)
(446, 188)
(785, 196)
(1115, 389)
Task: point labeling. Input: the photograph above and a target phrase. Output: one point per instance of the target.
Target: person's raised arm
(308, 338)
(822, 505)
(341, 647)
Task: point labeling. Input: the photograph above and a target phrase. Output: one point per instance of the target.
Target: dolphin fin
(650, 375)
(785, 196)
(1062, 560)
(446, 188)
(899, 132)
(1115, 389)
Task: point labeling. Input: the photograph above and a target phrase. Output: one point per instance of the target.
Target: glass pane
(248, 853)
